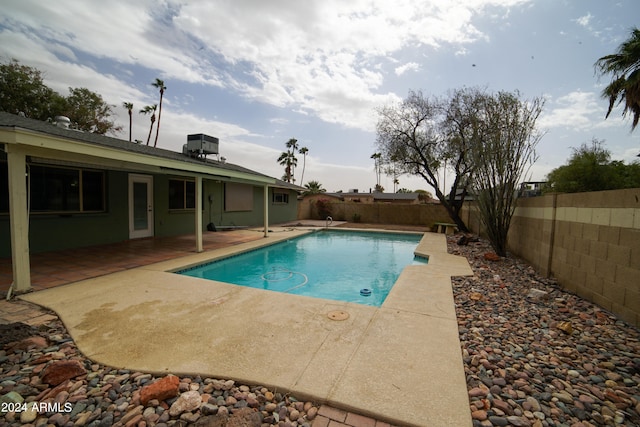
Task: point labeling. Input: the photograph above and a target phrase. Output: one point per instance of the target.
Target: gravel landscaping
(534, 355)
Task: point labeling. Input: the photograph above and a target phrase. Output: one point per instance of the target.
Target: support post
(266, 211)
(199, 247)
(18, 218)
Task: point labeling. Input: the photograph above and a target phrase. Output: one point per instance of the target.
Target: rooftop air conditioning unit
(201, 144)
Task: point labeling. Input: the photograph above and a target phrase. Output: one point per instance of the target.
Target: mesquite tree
(430, 137)
(501, 161)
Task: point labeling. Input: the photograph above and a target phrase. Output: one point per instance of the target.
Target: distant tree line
(22, 91)
(590, 168)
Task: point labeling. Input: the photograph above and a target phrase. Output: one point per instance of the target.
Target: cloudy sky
(256, 73)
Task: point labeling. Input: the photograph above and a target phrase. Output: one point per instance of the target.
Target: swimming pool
(352, 266)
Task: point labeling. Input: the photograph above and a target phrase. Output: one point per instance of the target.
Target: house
(371, 197)
(308, 203)
(410, 198)
(61, 188)
(531, 188)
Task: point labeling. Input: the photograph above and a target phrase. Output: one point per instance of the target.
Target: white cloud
(330, 60)
(409, 66)
(324, 56)
(576, 110)
(628, 155)
(585, 20)
(279, 121)
(321, 57)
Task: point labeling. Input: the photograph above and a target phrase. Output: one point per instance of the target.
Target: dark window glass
(190, 194)
(280, 197)
(182, 194)
(93, 191)
(176, 194)
(4, 187)
(56, 189)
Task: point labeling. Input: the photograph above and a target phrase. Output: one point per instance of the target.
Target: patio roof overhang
(52, 147)
(41, 144)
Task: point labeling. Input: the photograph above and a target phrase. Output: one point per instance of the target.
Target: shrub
(323, 206)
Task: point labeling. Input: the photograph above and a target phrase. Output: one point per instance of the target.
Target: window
(57, 189)
(182, 194)
(280, 197)
(238, 197)
(4, 187)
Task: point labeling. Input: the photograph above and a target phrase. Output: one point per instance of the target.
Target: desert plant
(323, 207)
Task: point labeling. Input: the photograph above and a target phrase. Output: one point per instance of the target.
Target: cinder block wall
(589, 242)
(380, 213)
(530, 235)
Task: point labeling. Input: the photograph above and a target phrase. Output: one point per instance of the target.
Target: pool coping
(219, 258)
(400, 362)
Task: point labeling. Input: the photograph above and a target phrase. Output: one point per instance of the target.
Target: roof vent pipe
(62, 122)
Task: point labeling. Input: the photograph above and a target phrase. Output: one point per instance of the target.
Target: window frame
(284, 197)
(185, 206)
(80, 176)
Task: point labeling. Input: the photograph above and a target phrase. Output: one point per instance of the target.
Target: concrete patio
(400, 363)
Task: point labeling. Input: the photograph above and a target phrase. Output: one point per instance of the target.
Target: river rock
(37, 342)
(162, 389)
(61, 370)
(188, 401)
(30, 414)
(245, 417)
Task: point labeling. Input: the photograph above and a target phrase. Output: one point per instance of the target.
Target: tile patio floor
(50, 269)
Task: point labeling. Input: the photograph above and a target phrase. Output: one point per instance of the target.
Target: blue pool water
(336, 265)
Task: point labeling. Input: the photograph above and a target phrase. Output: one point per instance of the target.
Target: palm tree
(624, 67)
(313, 187)
(129, 107)
(160, 85)
(377, 166)
(303, 151)
(292, 147)
(150, 109)
(283, 160)
(288, 160)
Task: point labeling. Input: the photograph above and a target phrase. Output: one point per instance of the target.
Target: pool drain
(338, 315)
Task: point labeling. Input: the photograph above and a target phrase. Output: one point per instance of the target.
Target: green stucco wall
(53, 232)
(56, 232)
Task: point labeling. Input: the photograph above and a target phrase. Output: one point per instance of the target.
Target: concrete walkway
(400, 363)
(23, 312)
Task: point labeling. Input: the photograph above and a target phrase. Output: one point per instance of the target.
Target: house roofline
(70, 145)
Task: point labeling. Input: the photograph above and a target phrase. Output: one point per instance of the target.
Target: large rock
(162, 389)
(537, 294)
(245, 417)
(62, 370)
(188, 401)
(219, 420)
(31, 342)
(492, 256)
